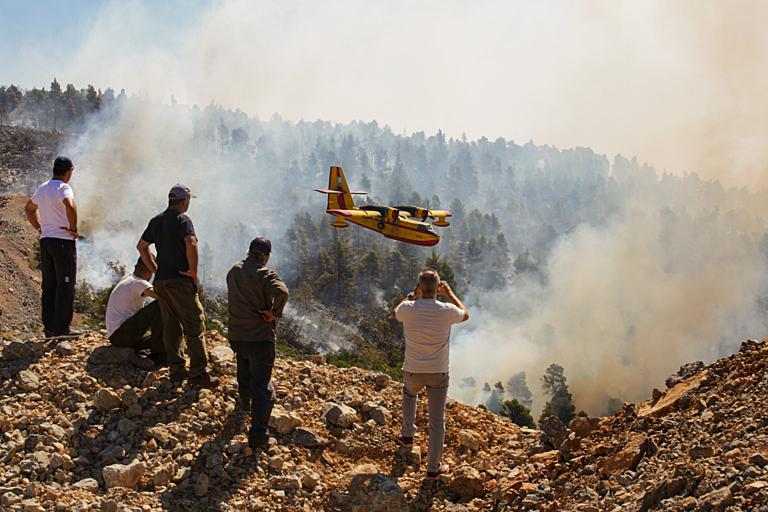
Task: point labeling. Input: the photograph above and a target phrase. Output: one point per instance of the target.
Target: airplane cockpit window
(426, 227)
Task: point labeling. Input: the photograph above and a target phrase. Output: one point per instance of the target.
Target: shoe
(443, 469)
(48, 334)
(159, 359)
(203, 381)
(406, 442)
(262, 445)
(70, 334)
(179, 377)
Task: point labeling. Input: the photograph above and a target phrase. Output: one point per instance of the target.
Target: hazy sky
(681, 85)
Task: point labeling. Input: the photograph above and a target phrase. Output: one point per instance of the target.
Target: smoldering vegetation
(606, 267)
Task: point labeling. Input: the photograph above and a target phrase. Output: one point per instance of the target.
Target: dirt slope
(19, 282)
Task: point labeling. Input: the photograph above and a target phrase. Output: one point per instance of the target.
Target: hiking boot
(48, 334)
(441, 471)
(406, 442)
(179, 377)
(262, 445)
(203, 381)
(159, 359)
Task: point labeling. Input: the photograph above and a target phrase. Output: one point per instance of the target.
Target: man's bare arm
(71, 208)
(191, 242)
(34, 219)
(146, 255)
(150, 292)
(446, 291)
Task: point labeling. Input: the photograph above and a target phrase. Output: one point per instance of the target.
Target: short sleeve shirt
(49, 199)
(427, 325)
(167, 231)
(124, 301)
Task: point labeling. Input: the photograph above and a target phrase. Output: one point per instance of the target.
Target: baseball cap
(260, 244)
(180, 191)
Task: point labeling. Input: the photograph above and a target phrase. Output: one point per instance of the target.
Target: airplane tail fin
(337, 181)
(339, 195)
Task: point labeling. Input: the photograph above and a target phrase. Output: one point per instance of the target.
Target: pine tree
(554, 384)
(517, 388)
(495, 402)
(517, 413)
(344, 271)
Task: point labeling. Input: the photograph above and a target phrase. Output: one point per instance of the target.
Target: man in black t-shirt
(175, 283)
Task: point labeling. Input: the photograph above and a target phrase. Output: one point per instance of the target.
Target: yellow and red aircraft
(395, 222)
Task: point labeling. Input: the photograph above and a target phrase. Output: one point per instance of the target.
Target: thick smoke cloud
(626, 305)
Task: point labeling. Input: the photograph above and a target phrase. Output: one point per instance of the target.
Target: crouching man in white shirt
(128, 323)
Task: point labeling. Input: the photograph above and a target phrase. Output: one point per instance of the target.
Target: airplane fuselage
(404, 230)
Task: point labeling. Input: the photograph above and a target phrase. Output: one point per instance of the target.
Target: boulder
(28, 381)
(283, 421)
(123, 475)
(163, 475)
(304, 437)
(125, 427)
(368, 490)
(381, 416)
(339, 415)
(221, 354)
(87, 484)
(160, 433)
(15, 350)
(627, 458)
(467, 482)
(553, 431)
(285, 482)
(349, 397)
(582, 427)
(106, 399)
(129, 398)
(469, 439)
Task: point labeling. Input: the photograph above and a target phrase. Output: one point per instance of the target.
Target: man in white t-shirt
(52, 212)
(427, 324)
(128, 323)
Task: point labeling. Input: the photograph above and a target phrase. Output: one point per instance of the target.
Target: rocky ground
(89, 427)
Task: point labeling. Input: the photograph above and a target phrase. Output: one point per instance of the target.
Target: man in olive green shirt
(257, 296)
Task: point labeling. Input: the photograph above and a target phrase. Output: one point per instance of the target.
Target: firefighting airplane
(398, 222)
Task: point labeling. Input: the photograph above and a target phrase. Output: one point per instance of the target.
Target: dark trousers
(255, 360)
(59, 262)
(133, 332)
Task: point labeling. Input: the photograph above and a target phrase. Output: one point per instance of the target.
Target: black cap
(260, 245)
(62, 165)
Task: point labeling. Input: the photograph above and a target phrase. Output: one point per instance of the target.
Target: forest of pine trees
(512, 205)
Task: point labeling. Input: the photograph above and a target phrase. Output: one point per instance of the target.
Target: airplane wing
(325, 191)
(355, 213)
